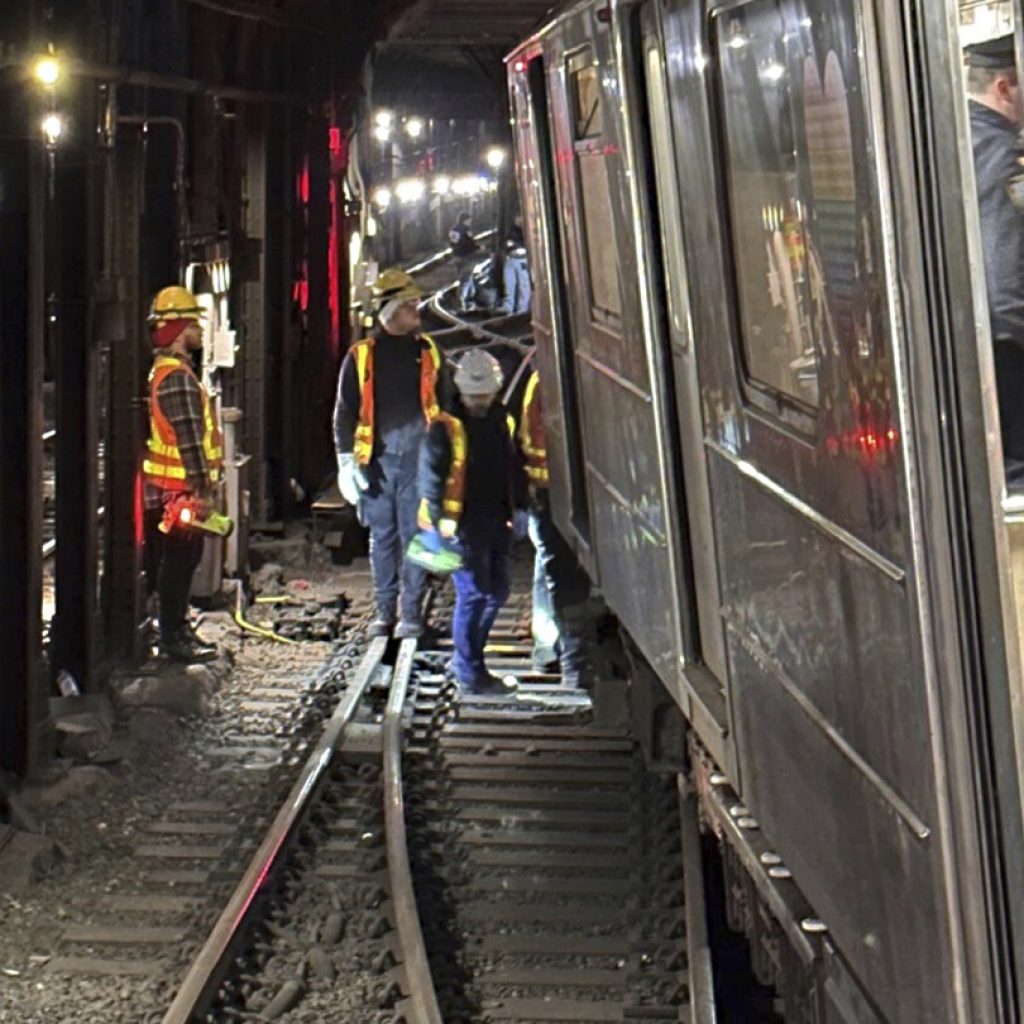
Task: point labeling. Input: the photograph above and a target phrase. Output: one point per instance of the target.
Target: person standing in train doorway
(391, 388)
(516, 274)
(560, 587)
(994, 104)
(470, 482)
(464, 248)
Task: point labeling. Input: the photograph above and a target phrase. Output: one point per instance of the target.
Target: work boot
(408, 629)
(490, 685)
(182, 647)
(380, 627)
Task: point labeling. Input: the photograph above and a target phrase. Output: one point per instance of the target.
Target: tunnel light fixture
(410, 190)
(738, 41)
(774, 72)
(467, 185)
(442, 185)
(47, 70)
(381, 134)
(495, 157)
(53, 128)
(384, 119)
(382, 198)
(414, 127)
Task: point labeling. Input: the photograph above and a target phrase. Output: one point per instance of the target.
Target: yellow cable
(267, 634)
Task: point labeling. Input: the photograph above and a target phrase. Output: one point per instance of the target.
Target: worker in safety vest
(560, 587)
(392, 387)
(470, 482)
(184, 457)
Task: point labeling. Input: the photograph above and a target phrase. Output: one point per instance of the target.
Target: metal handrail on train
(422, 995)
(206, 973)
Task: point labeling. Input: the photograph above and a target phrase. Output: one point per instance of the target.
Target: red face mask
(168, 333)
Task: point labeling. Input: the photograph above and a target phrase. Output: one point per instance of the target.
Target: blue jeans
(481, 589)
(388, 508)
(567, 588)
(464, 273)
(517, 285)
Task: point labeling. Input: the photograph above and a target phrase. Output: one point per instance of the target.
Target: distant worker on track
(995, 112)
(560, 587)
(184, 456)
(392, 386)
(518, 289)
(470, 482)
(464, 249)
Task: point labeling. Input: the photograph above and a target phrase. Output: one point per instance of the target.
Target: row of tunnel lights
(413, 190)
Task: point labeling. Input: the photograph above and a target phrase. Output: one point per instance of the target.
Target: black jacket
(996, 166)
(495, 483)
(462, 241)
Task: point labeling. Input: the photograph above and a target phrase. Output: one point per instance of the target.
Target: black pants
(169, 560)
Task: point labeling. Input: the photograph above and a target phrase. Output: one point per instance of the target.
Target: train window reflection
(587, 103)
(595, 196)
(789, 159)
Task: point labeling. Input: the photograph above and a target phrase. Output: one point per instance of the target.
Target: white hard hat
(479, 373)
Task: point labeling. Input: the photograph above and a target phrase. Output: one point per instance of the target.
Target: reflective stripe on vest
(163, 465)
(532, 436)
(430, 368)
(455, 485)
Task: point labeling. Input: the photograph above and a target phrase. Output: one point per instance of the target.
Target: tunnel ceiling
(445, 56)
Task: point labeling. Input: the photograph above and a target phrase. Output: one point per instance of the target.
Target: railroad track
(462, 859)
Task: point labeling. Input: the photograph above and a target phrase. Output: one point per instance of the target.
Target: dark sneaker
(184, 649)
(491, 686)
(380, 627)
(408, 629)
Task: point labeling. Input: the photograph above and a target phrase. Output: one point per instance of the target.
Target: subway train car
(762, 333)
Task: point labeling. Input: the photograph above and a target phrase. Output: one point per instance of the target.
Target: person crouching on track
(391, 387)
(469, 481)
(184, 457)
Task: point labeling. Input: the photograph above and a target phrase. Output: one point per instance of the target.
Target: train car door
(555, 356)
(703, 663)
(820, 315)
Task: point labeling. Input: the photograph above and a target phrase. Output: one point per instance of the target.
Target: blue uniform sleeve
(1002, 230)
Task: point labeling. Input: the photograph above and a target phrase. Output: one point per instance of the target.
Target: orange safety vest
(455, 485)
(430, 368)
(532, 436)
(163, 466)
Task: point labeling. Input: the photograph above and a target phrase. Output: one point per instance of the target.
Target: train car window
(587, 103)
(790, 99)
(671, 219)
(595, 191)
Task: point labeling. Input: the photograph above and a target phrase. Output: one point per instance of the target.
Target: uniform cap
(993, 54)
(478, 374)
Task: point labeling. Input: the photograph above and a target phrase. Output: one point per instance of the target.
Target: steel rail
(206, 972)
(698, 947)
(422, 998)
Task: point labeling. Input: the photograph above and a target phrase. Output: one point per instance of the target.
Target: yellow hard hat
(395, 285)
(174, 303)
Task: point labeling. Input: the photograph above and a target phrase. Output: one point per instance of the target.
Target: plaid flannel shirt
(181, 401)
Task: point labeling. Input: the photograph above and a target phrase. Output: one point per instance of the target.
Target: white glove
(351, 478)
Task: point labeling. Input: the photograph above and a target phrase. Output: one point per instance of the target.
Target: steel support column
(255, 382)
(74, 205)
(122, 572)
(21, 425)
